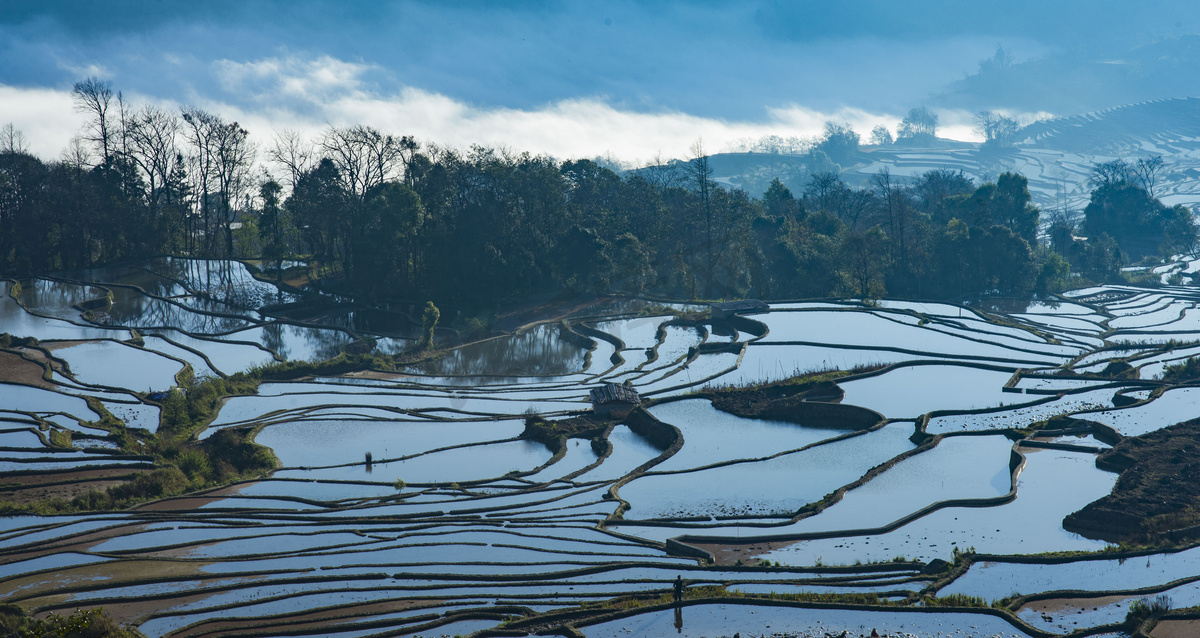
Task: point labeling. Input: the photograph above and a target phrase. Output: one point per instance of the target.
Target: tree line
(389, 217)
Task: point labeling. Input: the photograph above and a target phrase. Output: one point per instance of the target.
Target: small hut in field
(614, 401)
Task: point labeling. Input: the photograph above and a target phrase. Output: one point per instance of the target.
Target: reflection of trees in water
(55, 298)
(365, 321)
(222, 279)
(300, 342)
(324, 344)
(133, 309)
(204, 304)
(540, 351)
(152, 283)
(383, 323)
(272, 339)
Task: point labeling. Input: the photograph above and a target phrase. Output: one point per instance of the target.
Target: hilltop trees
(13, 140)
(839, 143)
(383, 215)
(918, 126)
(998, 130)
(1123, 207)
(94, 97)
(219, 159)
(881, 136)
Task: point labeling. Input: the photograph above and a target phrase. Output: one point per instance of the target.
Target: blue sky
(568, 78)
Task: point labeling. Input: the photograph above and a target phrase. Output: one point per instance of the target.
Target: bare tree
(12, 140)
(199, 129)
(76, 154)
(1111, 173)
(94, 97)
(221, 157)
(895, 202)
(152, 134)
(365, 157)
(920, 122)
(701, 173)
(882, 180)
(822, 190)
(662, 173)
(1146, 170)
(124, 115)
(852, 203)
(996, 128)
(234, 157)
(292, 153)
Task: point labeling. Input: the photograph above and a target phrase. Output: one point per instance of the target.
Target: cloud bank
(309, 94)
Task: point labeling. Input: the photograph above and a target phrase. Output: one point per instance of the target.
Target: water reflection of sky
(457, 421)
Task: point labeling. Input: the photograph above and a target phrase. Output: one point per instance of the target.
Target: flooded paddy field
(917, 483)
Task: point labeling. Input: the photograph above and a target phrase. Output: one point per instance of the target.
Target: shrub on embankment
(84, 623)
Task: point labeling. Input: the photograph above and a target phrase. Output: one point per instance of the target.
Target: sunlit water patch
(1174, 406)
(911, 391)
(712, 436)
(777, 486)
(1053, 484)
(958, 468)
(322, 443)
(120, 365)
(461, 464)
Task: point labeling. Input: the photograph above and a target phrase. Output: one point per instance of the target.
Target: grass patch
(960, 600)
(798, 381)
(807, 399)
(61, 438)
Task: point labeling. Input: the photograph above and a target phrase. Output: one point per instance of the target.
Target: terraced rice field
(459, 524)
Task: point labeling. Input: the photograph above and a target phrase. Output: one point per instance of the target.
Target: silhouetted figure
(678, 590)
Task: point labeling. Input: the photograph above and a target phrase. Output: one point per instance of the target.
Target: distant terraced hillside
(1056, 155)
(1166, 127)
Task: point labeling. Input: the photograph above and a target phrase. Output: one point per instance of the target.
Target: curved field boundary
(584, 618)
(1016, 464)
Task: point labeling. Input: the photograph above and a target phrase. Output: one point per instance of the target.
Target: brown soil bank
(1157, 496)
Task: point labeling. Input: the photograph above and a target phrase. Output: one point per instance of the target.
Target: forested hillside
(395, 218)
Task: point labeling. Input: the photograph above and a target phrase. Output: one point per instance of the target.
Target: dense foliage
(384, 216)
